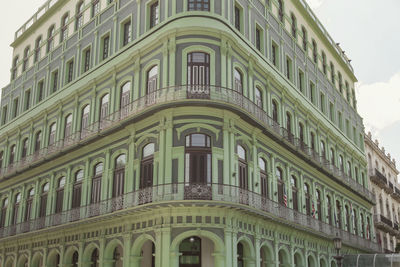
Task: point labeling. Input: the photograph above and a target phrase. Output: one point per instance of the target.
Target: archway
(22, 261)
(322, 263)
(311, 261)
(114, 254)
(71, 257)
(143, 251)
(53, 260)
(298, 259)
(9, 262)
(245, 252)
(212, 248)
(91, 256)
(333, 263)
(37, 260)
(284, 258)
(267, 258)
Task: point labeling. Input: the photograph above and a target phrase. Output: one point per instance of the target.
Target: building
(384, 184)
(180, 133)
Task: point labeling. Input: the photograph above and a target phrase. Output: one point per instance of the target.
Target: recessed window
(79, 16)
(126, 33)
(104, 106)
(280, 11)
(70, 70)
(39, 91)
(38, 43)
(238, 81)
(238, 17)
(301, 80)
(85, 117)
(50, 38)
(105, 47)
(96, 183)
(86, 60)
(198, 64)
(332, 73)
(24, 151)
(340, 120)
(27, 99)
(340, 81)
(152, 76)
(4, 115)
(14, 71)
(259, 38)
(323, 62)
(314, 51)
(274, 54)
(294, 25)
(38, 140)
(64, 28)
(95, 7)
(68, 126)
(198, 5)
(304, 31)
(12, 154)
(25, 64)
(312, 92)
(331, 111)
(154, 14)
(274, 111)
(289, 69)
(52, 133)
(54, 81)
(15, 107)
(322, 102)
(258, 97)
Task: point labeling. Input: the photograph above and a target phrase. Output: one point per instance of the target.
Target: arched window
(38, 43)
(314, 50)
(94, 258)
(301, 135)
(190, 251)
(95, 8)
(12, 154)
(68, 126)
(4, 207)
(125, 96)
(388, 210)
(263, 177)
(77, 189)
(85, 117)
(17, 201)
(354, 215)
(332, 156)
(242, 167)
(347, 211)
(324, 62)
(238, 81)
(152, 75)
(50, 38)
(240, 255)
(312, 141)
(341, 164)
(349, 169)
(43, 200)
(147, 166)
(282, 197)
(198, 159)
(25, 64)
(274, 111)
(319, 205)
(104, 106)
(295, 198)
(332, 73)
(363, 225)
(119, 176)
(294, 25)
(24, 151)
(29, 202)
(60, 194)
(338, 215)
(308, 199)
(79, 15)
(117, 256)
(64, 28)
(280, 11)
(258, 97)
(52, 133)
(14, 71)
(96, 183)
(329, 209)
(289, 126)
(323, 150)
(356, 175)
(38, 139)
(304, 31)
(75, 258)
(198, 64)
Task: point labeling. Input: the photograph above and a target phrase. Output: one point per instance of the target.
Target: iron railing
(224, 194)
(208, 94)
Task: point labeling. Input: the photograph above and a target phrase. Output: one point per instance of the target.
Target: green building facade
(180, 133)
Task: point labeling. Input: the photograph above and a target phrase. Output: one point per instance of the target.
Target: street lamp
(337, 242)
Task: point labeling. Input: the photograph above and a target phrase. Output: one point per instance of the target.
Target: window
(332, 157)
(198, 64)
(354, 215)
(28, 207)
(349, 169)
(259, 38)
(15, 107)
(332, 73)
(12, 155)
(64, 28)
(198, 159)
(43, 200)
(27, 99)
(258, 97)
(242, 167)
(52, 133)
(152, 76)
(340, 120)
(319, 204)
(301, 134)
(329, 209)
(40, 91)
(96, 183)
(275, 111)
(238, 17)
(301, 81)
(304, 31)
(347, 93)
(323, 150)
(70, 71)
(331, 112)
(293, 182)
(312, 141)
(1, 159)
(263, 178)
(127, 33)
(75, 258)
(94, 258)
(338, 215)
(324, 62)
(308, 199)
(14, 72)
(314, 52)
(4, 115)
(289, 123)
(3, 213)
(238, 81)
(322, 102)
(60, 194)
(54, 81)
(104, 106)
(274, 54)
(312, 92)
(24, 151)
(282, 197)
(86, 60)
(154, 13)
(280, 11)
(38, 138)
(340, 81)
(190, 251)
(79, 15)
(77, 189)
(289, 66)
(50, 38)
(68, 125)
(119, 176)
(25, 64)
(341, 163)
(85, 117)
(95, 7)
(106, 45)
(294, 25)
(125, 94)
(147, 166)
(199, 5)
(38, 43)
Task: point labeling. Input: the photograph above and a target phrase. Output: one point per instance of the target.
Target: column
(164, 81)
(172, 54)
(274, 187)
(127, 249)
(168, 148)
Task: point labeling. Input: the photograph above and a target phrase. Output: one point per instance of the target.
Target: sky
(368, 30)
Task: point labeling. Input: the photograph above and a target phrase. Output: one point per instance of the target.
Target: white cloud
(315, 3)
(379, 103)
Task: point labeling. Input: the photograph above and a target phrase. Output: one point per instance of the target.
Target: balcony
(210, 96)
(385, 224)
(378, 178)
(197, 194)
(396, 193)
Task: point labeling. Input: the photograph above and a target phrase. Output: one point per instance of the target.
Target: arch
(284, 256)
(298, 258)
(155, 63)
(116, 154)
(322, 262)
(311, 262)
(68, 255)
(139, 242)
(238, 67)
(37, 259)
(110, 248)
(198, 48)
(9, 261)
(53, 258)
(267, 254)
(87, 254)
(248, 250)
(22, 261)
(275, 110)
(333, 263)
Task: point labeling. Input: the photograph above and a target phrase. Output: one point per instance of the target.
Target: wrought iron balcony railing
(225, 195)
(378, 177)
(208, 94)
